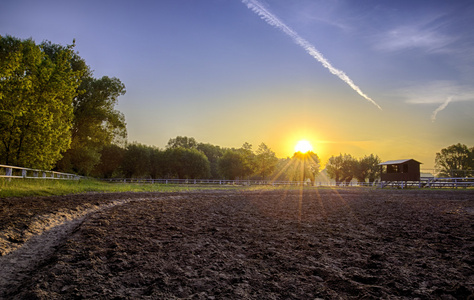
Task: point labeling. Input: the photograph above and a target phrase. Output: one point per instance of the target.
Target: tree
(36, 93)
(111, 158)
(266, 161)
(96, 123)
(341, 168)
(213, 153)
(304, 166)
(367, 168)
(157, 163)
(233, 164)
(455, 161)
(182, 142)
(136, 161)
(186, 163)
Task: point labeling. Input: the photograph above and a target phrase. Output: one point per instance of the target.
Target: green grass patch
(47, 187)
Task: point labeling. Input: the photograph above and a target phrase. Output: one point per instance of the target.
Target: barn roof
(397, 162)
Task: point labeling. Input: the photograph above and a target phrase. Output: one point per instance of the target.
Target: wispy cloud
(436, 92)
(440, 108)
(410, 37)
(272, 20)
(440, 92)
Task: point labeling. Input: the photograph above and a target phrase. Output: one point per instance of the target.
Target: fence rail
(232, 182)
(423, 183)
(27, 173)
(432, 182)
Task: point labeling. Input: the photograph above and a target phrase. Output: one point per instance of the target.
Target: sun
(303, 146)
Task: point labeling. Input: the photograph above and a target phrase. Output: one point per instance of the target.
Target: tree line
(185, 158)
(54, 114)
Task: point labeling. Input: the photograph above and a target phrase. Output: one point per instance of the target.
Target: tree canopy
(455, 161)
(37, 88)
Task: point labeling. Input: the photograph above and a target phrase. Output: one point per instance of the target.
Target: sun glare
(303, 146)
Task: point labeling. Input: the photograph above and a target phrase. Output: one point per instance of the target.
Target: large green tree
(96, 123)
(37, 88)
(455, 161)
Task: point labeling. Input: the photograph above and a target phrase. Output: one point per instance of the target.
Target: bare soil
(286, 244)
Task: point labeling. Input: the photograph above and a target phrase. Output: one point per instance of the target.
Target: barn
(400, 170)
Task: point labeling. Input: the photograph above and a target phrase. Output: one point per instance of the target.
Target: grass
(48, 187)
(40, 187)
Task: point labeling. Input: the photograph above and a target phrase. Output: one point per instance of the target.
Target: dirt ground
(285, 244)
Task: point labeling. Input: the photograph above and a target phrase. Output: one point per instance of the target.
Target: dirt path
(329, 244)
(39, 242)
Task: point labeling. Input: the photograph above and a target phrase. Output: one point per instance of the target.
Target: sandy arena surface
(285, 244)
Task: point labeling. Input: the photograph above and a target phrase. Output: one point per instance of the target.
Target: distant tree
(213, 153)
(158, 163)
(36, 93)
(367, 168)
(96, 123)
(266, 161)
(304, 166)
(248, 159)
(341, 168)
(111, 157)
(182, 142)
(185, 163)
(233, 164)
(136, 161)
(283, 170)
(455, 161)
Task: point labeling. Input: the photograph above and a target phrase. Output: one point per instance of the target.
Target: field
(233, 244)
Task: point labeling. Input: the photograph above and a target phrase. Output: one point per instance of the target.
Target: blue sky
(216, 71)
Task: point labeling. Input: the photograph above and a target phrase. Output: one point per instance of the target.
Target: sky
(391, 78)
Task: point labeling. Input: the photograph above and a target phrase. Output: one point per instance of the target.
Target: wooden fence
(19, 172)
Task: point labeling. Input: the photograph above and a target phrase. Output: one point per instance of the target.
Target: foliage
(234, 164)
(136, 161)
(455, 161)
(304, 166)
(185, 163)
(182, 142)
(266, 161)
(344, 168)
(96, 123)
(341, 168)
(111, 158)
(213, 153)
(367, 168)
(37, 88)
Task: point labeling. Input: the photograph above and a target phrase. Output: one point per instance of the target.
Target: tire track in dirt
(42, 238)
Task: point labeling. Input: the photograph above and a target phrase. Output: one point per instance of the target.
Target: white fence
(233, 182)
(432, 182)
(19, 172)
(423, 183)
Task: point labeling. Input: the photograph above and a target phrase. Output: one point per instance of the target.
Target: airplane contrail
(272, 20)
(440, 108)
